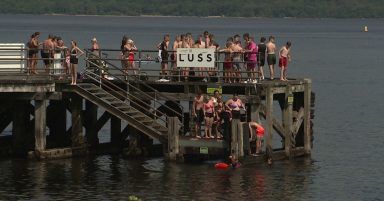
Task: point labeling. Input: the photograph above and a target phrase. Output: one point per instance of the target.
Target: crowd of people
(246, 56)
(240, 56)
(55, 55)
(217, 116)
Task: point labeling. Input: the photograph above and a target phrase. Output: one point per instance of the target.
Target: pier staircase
(138, 108)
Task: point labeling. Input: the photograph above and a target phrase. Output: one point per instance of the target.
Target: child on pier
(284, 57)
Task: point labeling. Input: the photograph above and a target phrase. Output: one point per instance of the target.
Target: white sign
(195, 57)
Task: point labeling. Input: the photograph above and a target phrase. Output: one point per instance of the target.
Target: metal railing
(96, 70)
(146, 60)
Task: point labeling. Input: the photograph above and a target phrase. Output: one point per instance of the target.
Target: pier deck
(48, 114)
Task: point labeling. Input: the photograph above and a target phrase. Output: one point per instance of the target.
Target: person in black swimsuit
(262, 49)
(74, 60)
(163, 48)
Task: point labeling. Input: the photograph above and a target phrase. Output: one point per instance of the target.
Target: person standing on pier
(176, 44)
(163, 53)
(209, 113)
(261, 57)
(284, 58)
(33, 45)
(257, 130)
(47, 52)
(198, 113)
(236, 58)
(130, 55)
(235, 105)
(251, 50)
(76, 52)
(271, 58)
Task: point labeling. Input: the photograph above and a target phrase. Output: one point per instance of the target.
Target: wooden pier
(51, 119)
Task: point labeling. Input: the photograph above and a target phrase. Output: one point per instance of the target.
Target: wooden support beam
(277, 126)
(269, 119)
(299, 118)
(90, 120)
(116, 132)
(77, 126)
(287, 114)
(237, 148)
(102, 121)
(40, 125)
(20, 128)
(307, 116)
(57, 123)
(173, 139)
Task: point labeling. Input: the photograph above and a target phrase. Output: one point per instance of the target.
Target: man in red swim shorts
(258, 130)
(284, 57)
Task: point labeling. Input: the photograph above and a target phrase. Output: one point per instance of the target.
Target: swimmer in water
(234, 162)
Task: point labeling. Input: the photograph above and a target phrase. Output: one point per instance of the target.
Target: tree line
(229, 8)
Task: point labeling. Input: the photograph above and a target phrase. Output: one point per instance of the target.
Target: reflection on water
(114, 178)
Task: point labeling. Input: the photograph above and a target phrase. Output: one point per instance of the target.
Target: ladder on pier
(125, 100)
(123, 110)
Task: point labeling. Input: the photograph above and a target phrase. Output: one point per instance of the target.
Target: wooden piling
(307, 116)
(91, 122)
(287, 113)
(77, 126)
(20, 127)
(57, 123)
(116, 132)
(237, 140)
(269, 119)
(173, 139)
(40, 125)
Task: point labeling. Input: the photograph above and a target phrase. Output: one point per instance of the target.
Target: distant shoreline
(182, 16)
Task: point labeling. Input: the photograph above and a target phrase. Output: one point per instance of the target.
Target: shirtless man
(236, 59)
(198, 112)
(284, 57)
(251, 50)
(176, 45)
(184, 44)
(207, 39)
(47, 52)
(201, 44)
(271, 58)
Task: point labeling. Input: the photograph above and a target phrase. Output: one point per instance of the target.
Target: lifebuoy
(221, 166)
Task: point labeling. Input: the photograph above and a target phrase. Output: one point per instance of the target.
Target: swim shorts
(271, 59)
(199, 116)
(251, 64)
(283, 62)
(261, 60)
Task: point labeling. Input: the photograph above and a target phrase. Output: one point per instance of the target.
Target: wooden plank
(307, 116)
(102, 121)
(40, 125)
(299, 120)
(277, 126)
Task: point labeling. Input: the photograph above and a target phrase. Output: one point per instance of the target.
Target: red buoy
(221, 166)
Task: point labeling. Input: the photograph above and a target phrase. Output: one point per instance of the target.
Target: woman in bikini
(76, 52)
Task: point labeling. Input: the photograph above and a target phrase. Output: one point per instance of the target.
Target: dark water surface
(345, 64)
